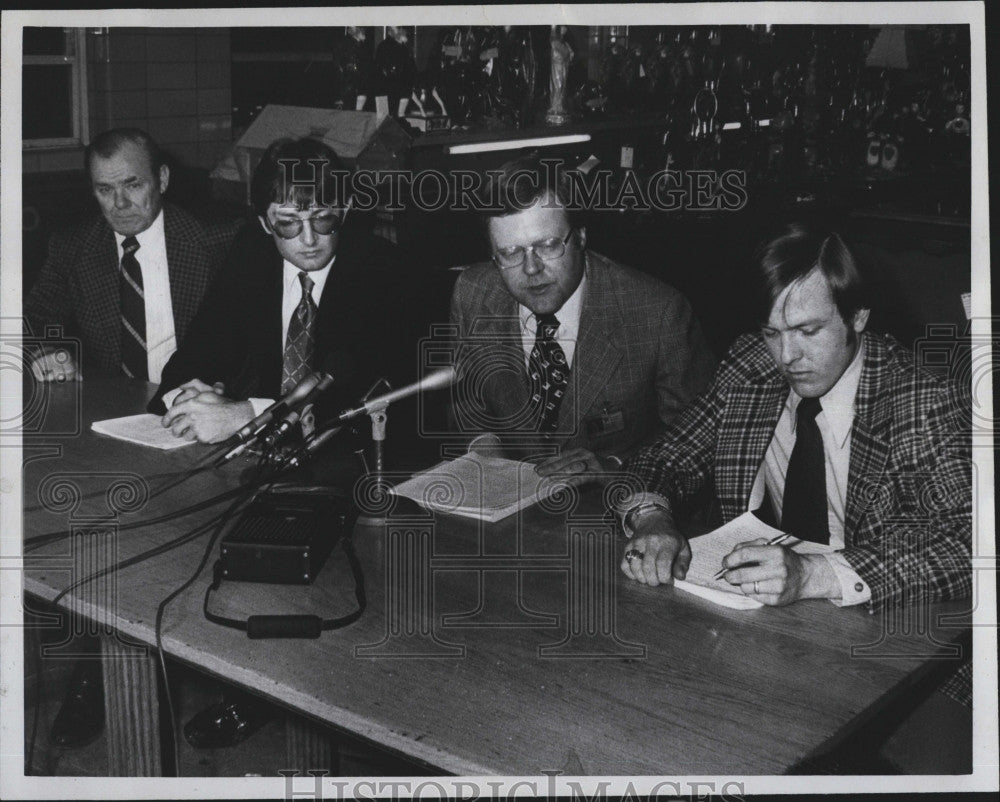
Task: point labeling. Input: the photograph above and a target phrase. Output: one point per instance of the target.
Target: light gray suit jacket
(640, 359)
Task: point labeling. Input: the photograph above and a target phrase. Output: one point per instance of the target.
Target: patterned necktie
(804, 508)
(301, 338)
(548, 373)
(132, 302)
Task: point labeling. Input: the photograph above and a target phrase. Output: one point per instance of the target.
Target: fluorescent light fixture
(516, 144)
(764, 123)
(731, 126)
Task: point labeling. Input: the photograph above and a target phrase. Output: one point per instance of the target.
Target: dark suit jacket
(639, 352)
(78, 285)
(236, 336)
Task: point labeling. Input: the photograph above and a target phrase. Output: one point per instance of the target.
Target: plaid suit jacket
(908, 515)
(639, 350)
(78, 284)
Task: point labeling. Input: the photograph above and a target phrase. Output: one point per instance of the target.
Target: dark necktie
(548, 373)
(301, 338)
(803, 511)
(133, 309)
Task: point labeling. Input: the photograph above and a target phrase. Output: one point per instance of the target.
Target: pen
(774, 541)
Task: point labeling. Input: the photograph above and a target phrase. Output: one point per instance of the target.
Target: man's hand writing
(776, 575)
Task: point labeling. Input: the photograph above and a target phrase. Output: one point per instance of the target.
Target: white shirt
(569, 325)
(161, 341)
(834, 422)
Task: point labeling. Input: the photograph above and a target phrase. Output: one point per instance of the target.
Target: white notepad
(476, 486)
(708, 550)
(143, 430)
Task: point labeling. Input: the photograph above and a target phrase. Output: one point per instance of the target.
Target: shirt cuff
(260, 404)
(170, 396)
(853, 589)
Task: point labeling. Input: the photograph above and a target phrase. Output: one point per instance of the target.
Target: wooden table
(510, 649)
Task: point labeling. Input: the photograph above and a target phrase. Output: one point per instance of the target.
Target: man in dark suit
(85, 285)
(832, 432)
(242, 338)
(127, 283)
(302, 289)
(563, 353)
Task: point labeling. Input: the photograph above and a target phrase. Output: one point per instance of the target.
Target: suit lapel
(745, 432)
(869, 441)
(99, 265)
(188, 275)
(500, 326)
(597, 352)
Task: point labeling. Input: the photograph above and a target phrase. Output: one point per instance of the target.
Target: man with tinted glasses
(303, 290)
(565, 355)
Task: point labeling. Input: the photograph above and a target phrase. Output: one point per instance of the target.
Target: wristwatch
(631, 518)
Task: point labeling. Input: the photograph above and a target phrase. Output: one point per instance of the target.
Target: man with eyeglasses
(565, 356)
(303, 290)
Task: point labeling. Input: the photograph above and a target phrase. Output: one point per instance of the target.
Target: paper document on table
(708, 550)
(143, 430)
(476, 486)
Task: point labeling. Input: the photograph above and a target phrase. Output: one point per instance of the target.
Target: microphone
(290, 419)
(433, 381)
(303, 393)
(279, 408)
(314, 444)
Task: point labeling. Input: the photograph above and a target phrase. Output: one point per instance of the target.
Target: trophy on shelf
(562, 55)
(395, 69)
(352, 60)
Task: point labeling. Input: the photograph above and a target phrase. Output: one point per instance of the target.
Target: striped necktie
(133, 310)
(301, 338)
(548, 373)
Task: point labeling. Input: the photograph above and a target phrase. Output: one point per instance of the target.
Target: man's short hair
(520, 183)
(108, 143)
(304, 171)
(793, 254)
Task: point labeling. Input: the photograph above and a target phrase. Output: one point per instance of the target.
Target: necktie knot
(807, 410)
(548, 325)
(130, 245)
(306, 282)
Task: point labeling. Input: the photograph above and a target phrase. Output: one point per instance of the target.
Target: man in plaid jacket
(896, 443)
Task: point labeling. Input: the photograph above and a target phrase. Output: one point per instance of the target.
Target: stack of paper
(475, 486)
(144, 430)
(708, 550)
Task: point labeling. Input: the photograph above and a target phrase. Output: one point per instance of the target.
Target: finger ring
(633, 554)
(756, 587)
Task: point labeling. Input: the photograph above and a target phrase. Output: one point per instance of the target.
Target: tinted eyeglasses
(324, 223)
(544, 249)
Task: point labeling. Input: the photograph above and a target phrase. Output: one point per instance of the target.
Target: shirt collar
(568, 314)
(152, 237)
(291, 275)
(838, 402)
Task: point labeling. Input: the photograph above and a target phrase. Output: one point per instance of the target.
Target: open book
(144, 430)
(476, 486)
(708, 550)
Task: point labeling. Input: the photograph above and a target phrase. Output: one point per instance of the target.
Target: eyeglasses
(291, 227)
(544, 249)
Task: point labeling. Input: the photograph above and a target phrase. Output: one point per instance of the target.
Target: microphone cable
(183, 475)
